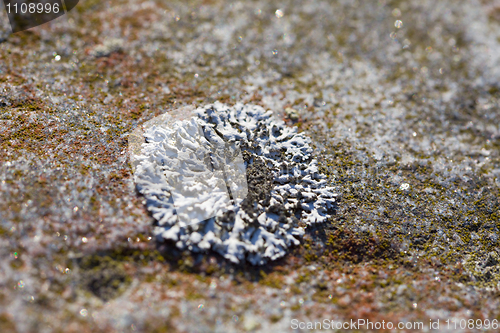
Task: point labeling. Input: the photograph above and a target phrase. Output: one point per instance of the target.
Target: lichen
(231, 179)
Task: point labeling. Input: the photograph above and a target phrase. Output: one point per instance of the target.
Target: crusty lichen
(244, 206)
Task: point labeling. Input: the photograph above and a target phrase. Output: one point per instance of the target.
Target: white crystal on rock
(230, 179)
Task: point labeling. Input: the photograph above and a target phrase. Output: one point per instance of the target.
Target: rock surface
(401, 102)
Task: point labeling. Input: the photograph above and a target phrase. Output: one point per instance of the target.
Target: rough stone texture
(404, 122)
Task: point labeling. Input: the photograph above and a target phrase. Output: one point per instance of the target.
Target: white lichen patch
(230, 179)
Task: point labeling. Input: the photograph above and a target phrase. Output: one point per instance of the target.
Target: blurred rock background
(401, 99)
